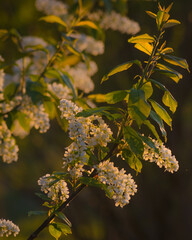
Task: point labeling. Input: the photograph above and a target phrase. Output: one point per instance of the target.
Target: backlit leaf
(144, 38)
(171, 23)
(176, 61)
(144, 47)
(120, 68)
(161, 112)
(169, 101)
(53, 19)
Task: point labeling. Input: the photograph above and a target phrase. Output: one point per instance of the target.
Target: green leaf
(50, 108)
(162, 17)
(169, 101)
(138, 108)
(64, 228)
(161, 112)
(53, 19)
(87, 23)
(147, 89)
(55, 231)
(30, 213)
(166, 50)
(151, 14)
(159, 121)
(97, 97)
(10, 91)
(66, 78)
(132, 160)
(116, 96)
(152, 128)
(145, 47)
(120, 68)
(158, 84)
(134, 141)
(176, 61)
(149, 142)
(174, 75)
(144, 38)
(24, 121)
(64, 218)
(171, 23)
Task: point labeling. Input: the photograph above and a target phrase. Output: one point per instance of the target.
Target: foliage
(53, 80)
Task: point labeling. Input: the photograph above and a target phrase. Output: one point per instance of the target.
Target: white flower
(7, 228)
(57, 191)
(163, 159)
(39, 119)
(89, 44)
(115, 21)
(86, 133)
(59, 90)
(8, 148)
(120, 185)
(81, 75)
(51, 7)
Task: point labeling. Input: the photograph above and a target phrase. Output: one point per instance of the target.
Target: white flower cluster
(57, 191)
(59, 90)
(39, 119)
(85, 133)
(51, 7)
(119, 184)
(8, 148)
(163, 159)
(89, 44)
(7, 228)
(82, 75)
(115, 21)
(8, 106)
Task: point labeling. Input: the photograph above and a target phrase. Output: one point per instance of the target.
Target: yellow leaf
(144, 47)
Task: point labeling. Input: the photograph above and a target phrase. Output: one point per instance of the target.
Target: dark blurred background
(162, 208)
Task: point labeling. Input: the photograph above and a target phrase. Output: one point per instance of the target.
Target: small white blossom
(59, 90)
(51, 7)
(163, 159)
(58, 191)
(86, 133)
(37, 115)
(115, 21)
(81, 75)
(89, 44)
(7, 228)
(8, 148)
(120, 185)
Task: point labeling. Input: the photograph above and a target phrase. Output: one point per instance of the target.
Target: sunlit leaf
(144, 38)
(53, 19)
(64, 228)
(97, 97)
(144, 47)
(120, 68)
(169, 101)
(54, 231)
(176, 61)
(151, 14)
(134, 141)
(116, 96)
(148, 89)
(87, 24)
(161, 112)
(171, 23)
(132, 160)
